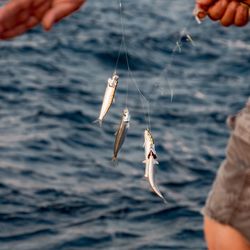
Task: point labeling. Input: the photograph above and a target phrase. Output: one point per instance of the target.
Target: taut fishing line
(143, 99)
(183, 37)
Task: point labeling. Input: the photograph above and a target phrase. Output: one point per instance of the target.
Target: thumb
(56, 13)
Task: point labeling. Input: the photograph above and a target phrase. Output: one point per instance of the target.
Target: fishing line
(118, 57)
(143, 99)
(184, 35)
(123, 41)
(119, 54)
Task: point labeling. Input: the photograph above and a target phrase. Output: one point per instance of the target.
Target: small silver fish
(121, 133)
(108, 98)
(150, 161)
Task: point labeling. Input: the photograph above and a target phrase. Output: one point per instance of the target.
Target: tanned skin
(18, 16)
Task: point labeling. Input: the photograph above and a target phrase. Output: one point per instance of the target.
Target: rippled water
(58, 188)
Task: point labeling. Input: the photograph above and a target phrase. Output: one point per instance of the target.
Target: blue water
(58, 188)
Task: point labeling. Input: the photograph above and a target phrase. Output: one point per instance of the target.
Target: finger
(41, 10)
(57, 13)
(12, 8)
(20, 29)
(32, 22)
(242, 15)
(22, 17)
(13, 33)
(9, 13)
(6, 17)
(217, 11)
(228, 17)
(199, 12)
(246, 2)
(38, 3)
(202, 7)
(206, 2)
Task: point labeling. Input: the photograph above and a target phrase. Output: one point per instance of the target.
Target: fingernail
(201, 14)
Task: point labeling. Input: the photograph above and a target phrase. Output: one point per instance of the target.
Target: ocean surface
(58, 187)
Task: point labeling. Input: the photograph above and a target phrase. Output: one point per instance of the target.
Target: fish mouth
(126, 115)
(115, 77)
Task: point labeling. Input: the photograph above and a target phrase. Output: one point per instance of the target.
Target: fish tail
(98, 121)
(115, 161)
(165, 199)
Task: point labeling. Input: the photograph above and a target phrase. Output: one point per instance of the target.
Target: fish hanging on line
(185, 37)
(150, 161)
(121, 133)
(109, 97)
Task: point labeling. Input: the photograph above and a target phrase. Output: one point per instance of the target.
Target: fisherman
(227, 210)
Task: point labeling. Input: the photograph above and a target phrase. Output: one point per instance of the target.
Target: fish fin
(156, 162)
(145, 161)
(114, 100)
(115, 161)
(115, 133)
(98, 121)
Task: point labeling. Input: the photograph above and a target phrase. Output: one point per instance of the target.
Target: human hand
(229, 12)
(18, 16)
